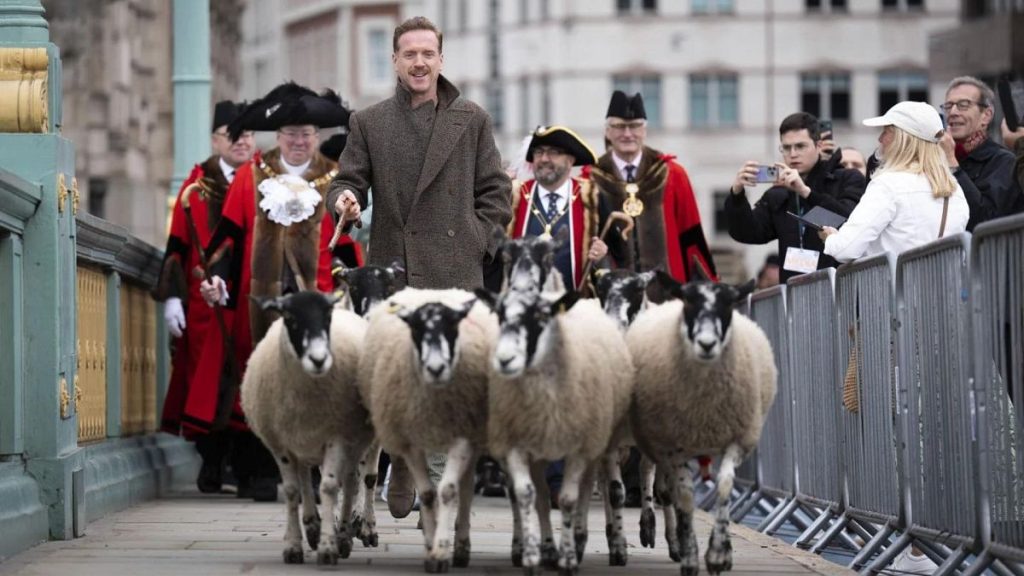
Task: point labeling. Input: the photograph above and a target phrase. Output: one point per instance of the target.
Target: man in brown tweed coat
(442, 200)
(429, 155)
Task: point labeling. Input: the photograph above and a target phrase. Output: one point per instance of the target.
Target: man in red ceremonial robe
(189, 320)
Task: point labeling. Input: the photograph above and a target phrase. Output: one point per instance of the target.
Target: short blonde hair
(908, 153)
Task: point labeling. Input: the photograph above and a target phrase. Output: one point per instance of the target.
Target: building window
(712, 6)
(98, 197)
(902, 5)
(545, 11)
(650, 88)
(375, 70)
(545, 100)
(721, 219)
(826, 95)
(825, 5)
(524, 104)
(495, 105)
(443, 14)
(524, 11)
(714, 100)
(379, 51)
(636, 6)
(896, 87)
(463, 16)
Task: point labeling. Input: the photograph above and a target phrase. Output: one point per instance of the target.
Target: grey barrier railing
(934, 403)
(997, 289)
(816, 398)
(775, 475)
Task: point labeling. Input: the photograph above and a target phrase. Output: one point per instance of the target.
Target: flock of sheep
(529, 376)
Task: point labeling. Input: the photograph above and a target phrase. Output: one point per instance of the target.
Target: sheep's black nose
(504, 362)
(317, 362)
(435, 371)
(707, 346)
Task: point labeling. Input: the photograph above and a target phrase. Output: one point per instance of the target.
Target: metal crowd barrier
(866, 348)
(997, 291)
(776, 470)
(935, 403)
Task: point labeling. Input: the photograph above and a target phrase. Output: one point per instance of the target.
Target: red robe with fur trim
(583, 221)
(669, 230)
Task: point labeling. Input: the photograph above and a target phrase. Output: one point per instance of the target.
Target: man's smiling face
(418, 62)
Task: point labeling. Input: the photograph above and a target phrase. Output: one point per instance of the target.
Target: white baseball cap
(917, 118)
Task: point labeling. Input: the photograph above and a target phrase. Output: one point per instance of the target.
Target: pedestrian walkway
(190, 533)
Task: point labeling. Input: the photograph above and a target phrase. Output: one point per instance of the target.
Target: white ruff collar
(288, 199)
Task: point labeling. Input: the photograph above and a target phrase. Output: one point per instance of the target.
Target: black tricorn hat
(225, 112)
(291, 105)
(626, 107)
(564, 138)
(333, 146)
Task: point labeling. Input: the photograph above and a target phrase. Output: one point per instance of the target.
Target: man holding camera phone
(801, 181)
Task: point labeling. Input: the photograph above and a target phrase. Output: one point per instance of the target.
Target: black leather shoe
(209, 480)
(263, 489)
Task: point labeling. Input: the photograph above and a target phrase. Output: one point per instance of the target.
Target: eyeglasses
(295, 135)
(243, 136)
(961, 105)
(549, 152)
(635, 126)
(798, 147)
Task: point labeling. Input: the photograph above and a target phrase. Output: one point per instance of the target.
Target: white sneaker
(907, 562)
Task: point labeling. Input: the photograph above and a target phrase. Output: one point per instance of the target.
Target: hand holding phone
(767, 174)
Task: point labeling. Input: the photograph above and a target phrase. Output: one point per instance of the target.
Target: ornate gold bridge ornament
(23, 87)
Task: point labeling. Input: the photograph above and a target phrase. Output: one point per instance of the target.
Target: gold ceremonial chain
(547, 225)
(314, 184)
(633, 205)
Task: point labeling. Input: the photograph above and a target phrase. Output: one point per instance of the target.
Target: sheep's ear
(697, 270)
(270, 303)
(561, 238)
(670, 284)
(463, 310)
(486, 297)
(397, 267)
(649, 276)
(741, 291)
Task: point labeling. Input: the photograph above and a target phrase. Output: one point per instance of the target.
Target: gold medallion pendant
(547, 232)
(633, 205)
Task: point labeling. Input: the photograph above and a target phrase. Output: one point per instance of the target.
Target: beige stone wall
(119, 100)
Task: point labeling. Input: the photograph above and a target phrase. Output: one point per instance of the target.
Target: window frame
(714, 82)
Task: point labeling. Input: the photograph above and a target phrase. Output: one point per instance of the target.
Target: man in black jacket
(983, 167)
(804, 181)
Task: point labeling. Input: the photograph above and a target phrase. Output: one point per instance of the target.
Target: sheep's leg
(526, 495)
(568, 499)
(615, 501)
(327, 552)
(719, 555)
(682, 480)
(648, 521)
(459, 456)
(292, 534)
(416, 460)
(460, 557)
(364, 520)
(663, 486)
(310, 516)
(517, 523)
(548, 550)
(582, 514)
(350, 476)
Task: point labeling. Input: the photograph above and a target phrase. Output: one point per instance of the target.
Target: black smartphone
(825, 127)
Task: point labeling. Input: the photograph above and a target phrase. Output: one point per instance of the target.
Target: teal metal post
(31, 148)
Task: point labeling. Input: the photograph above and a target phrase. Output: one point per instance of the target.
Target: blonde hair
(908, 153)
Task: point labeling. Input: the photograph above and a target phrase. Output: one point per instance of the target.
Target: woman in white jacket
(913, 197)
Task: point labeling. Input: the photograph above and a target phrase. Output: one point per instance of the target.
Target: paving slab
(191, 533)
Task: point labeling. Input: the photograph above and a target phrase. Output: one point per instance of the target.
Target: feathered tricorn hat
(564, 138)
(291, 105)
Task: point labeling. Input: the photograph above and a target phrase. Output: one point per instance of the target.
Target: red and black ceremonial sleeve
(690, 234)
(173, 282)
(225, 252)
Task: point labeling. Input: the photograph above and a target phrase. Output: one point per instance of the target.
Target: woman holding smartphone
(912, 199)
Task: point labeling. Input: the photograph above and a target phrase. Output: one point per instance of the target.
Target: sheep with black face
(301, 397)
(424, 372)
(705, 380)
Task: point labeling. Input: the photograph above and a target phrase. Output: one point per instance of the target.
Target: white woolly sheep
(301, 398)
(560, 384)
(424, 371)
(705, 380)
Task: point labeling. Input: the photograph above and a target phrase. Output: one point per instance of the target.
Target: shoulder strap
(945, 212)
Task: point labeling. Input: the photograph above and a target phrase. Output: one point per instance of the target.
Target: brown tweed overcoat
(462, 201)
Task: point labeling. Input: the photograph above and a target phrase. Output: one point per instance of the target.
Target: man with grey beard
(554, 201)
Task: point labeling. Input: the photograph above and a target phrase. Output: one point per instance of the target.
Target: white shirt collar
(295, 170)
(227, 169)
(621, 164)
(562, 192)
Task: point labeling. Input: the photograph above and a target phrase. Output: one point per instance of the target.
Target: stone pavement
(189, 534)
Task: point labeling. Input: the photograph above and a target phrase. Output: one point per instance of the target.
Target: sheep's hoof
(549, 554)
(312, 529)
(293, 555)
(460, 557)
(344, 545)
(648, 525)
(532, 570)
(327, 556)
(617, 557)
(517, 552)
(369, 540)
(673, 552)
(568, 570)
(689, 570)
(436, 566)
(581, 544)
(719, 558)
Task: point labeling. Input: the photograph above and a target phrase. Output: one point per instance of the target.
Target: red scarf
(967, 145)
